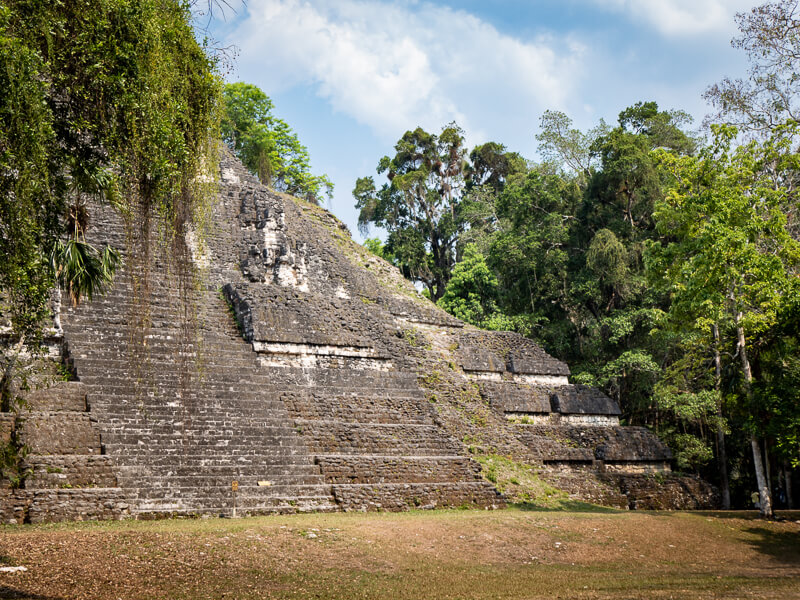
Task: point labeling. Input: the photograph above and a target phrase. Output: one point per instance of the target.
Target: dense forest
(660, 262)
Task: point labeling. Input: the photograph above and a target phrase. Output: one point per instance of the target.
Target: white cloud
(682, 17)
(393, 65)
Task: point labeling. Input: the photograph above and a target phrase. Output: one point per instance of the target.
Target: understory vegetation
(662, 263)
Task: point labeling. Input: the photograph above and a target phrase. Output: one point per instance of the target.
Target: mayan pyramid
(276, 353)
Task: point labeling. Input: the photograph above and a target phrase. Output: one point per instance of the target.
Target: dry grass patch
(442, 554)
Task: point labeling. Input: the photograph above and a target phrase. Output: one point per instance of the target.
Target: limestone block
(406, 496)
(59, 433)
(14, 506)
(49, 506)
(511, 397)
(476, 359)
(582, 399)
(65, 395)
(70, 471)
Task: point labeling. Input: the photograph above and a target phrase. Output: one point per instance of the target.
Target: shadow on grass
(780, 545)
(11, 593)
(566, 506)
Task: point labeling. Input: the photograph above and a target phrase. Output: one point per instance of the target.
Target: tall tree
(562, 144)
(267, 145)
(419, 204)
(769, 97)
(766, 104)
(730, 260)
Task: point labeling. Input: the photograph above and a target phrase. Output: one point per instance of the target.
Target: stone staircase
(180, 402)
(66, 476)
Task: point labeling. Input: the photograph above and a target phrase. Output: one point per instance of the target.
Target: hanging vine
(101, 101)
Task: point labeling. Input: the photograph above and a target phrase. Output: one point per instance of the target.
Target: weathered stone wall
(405, 496)
(400, 469)
(63, 474)
(69, 472)
(653, 492)
(63, 396)
(51, 505)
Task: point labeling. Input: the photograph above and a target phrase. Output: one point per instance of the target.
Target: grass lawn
(513, 553)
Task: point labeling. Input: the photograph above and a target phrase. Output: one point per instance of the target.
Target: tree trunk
(722, 456)
(767, 470)
(763, 490)
(787, 480)
(765, 503)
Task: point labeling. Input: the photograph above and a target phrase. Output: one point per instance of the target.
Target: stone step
(405, 496)
(62, 396)
(64, 432)
(278, 484)
(245, 495)
(164, 457)
(64, 471)
(255, 472)
(396, 469)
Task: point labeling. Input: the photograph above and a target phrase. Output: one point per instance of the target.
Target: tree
(491, 165)
(765, 105)
(378, 248)
(560, 143)
(729, 261)
(472, 292)
(768, 98)
(628, 182)
(419, 204)
(266, 144)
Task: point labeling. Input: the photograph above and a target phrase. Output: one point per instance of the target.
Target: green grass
(521, 484)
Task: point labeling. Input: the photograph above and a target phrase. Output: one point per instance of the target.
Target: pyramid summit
(278, 354)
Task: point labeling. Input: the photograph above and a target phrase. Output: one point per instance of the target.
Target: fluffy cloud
(682, 17)
(393, 65)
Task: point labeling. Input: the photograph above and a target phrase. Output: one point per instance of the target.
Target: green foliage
(729, 261)
(12, 456)
(378, 248)
(267, 145)
(519, 482)
(607, 259)
(472, 292)
(565, 146)
(109, 98)
(730, 251)
(419, 204)
(81, 269)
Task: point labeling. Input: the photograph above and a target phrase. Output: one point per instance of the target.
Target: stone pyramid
(276, 353)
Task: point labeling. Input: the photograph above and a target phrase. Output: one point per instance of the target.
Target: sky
(351, 76)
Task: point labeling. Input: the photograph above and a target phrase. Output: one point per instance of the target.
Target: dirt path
(444, 554)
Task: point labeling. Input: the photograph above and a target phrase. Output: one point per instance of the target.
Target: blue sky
(351, 76)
